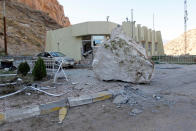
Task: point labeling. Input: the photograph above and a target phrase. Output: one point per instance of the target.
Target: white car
(58, 57)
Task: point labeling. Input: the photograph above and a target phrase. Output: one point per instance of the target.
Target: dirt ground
(174, 111)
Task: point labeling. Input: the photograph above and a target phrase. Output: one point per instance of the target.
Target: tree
(23, 68)
(39, 70)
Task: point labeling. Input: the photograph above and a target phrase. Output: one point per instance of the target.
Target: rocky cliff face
(52, 7)
(177, 46)
(26, 29)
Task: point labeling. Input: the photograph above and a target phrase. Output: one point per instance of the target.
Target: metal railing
(186, 59)
(50, 64)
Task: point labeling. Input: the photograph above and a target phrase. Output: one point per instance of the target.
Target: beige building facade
(77, 41)
(150, 39)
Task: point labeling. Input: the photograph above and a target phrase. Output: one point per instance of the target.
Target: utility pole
(185, 26)
(5, 32)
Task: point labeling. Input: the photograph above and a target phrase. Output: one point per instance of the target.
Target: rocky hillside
(177, 46)
(52, 7)
(26, 29)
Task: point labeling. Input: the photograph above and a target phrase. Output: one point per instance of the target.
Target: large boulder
(121, 58)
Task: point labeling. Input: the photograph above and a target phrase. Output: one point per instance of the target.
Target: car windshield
(57, 54)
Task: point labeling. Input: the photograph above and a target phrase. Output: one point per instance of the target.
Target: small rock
(79, 87)
(87, 84)
(136, 111)
(155, 111)
(19, 81)
(156, 97)
(74, 83)
(118, 106)
(6, 69)
(132, 102)
(116, 92)
(28, 94)
(120, 100)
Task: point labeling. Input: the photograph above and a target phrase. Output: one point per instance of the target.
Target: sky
(169, 14)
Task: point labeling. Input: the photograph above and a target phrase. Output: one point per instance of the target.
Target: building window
(143, 45)
(156, 47)
(97, 40)
(149, 47)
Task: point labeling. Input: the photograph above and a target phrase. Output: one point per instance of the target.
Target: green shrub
(23, 68)
(39, 70)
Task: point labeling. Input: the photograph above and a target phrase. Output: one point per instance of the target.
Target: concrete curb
(2, 117)
(101, 96)
(78, 101)
(52, 106)
(88, 99)
(19, 114)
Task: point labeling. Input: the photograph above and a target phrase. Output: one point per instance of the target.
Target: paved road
(175, 83)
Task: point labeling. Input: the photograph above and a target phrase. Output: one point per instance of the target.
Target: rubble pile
(121, 58)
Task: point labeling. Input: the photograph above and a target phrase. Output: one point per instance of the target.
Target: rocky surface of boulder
(121, 58)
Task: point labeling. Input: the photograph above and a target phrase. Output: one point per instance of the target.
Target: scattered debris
(8, 84)
(122, 59)
(156, 97)
(11, 94)
(28, 93)
(50, 94)
(6, 69)
(79, 87)
(135, 111)
(87, 84)
(30, 88)
(74, 83)
(120, 100)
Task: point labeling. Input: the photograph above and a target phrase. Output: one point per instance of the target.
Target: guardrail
(187, 59)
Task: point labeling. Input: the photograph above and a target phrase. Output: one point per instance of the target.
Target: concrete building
(77, 41)
(150, 39)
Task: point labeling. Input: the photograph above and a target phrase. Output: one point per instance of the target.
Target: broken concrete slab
(121, 58)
